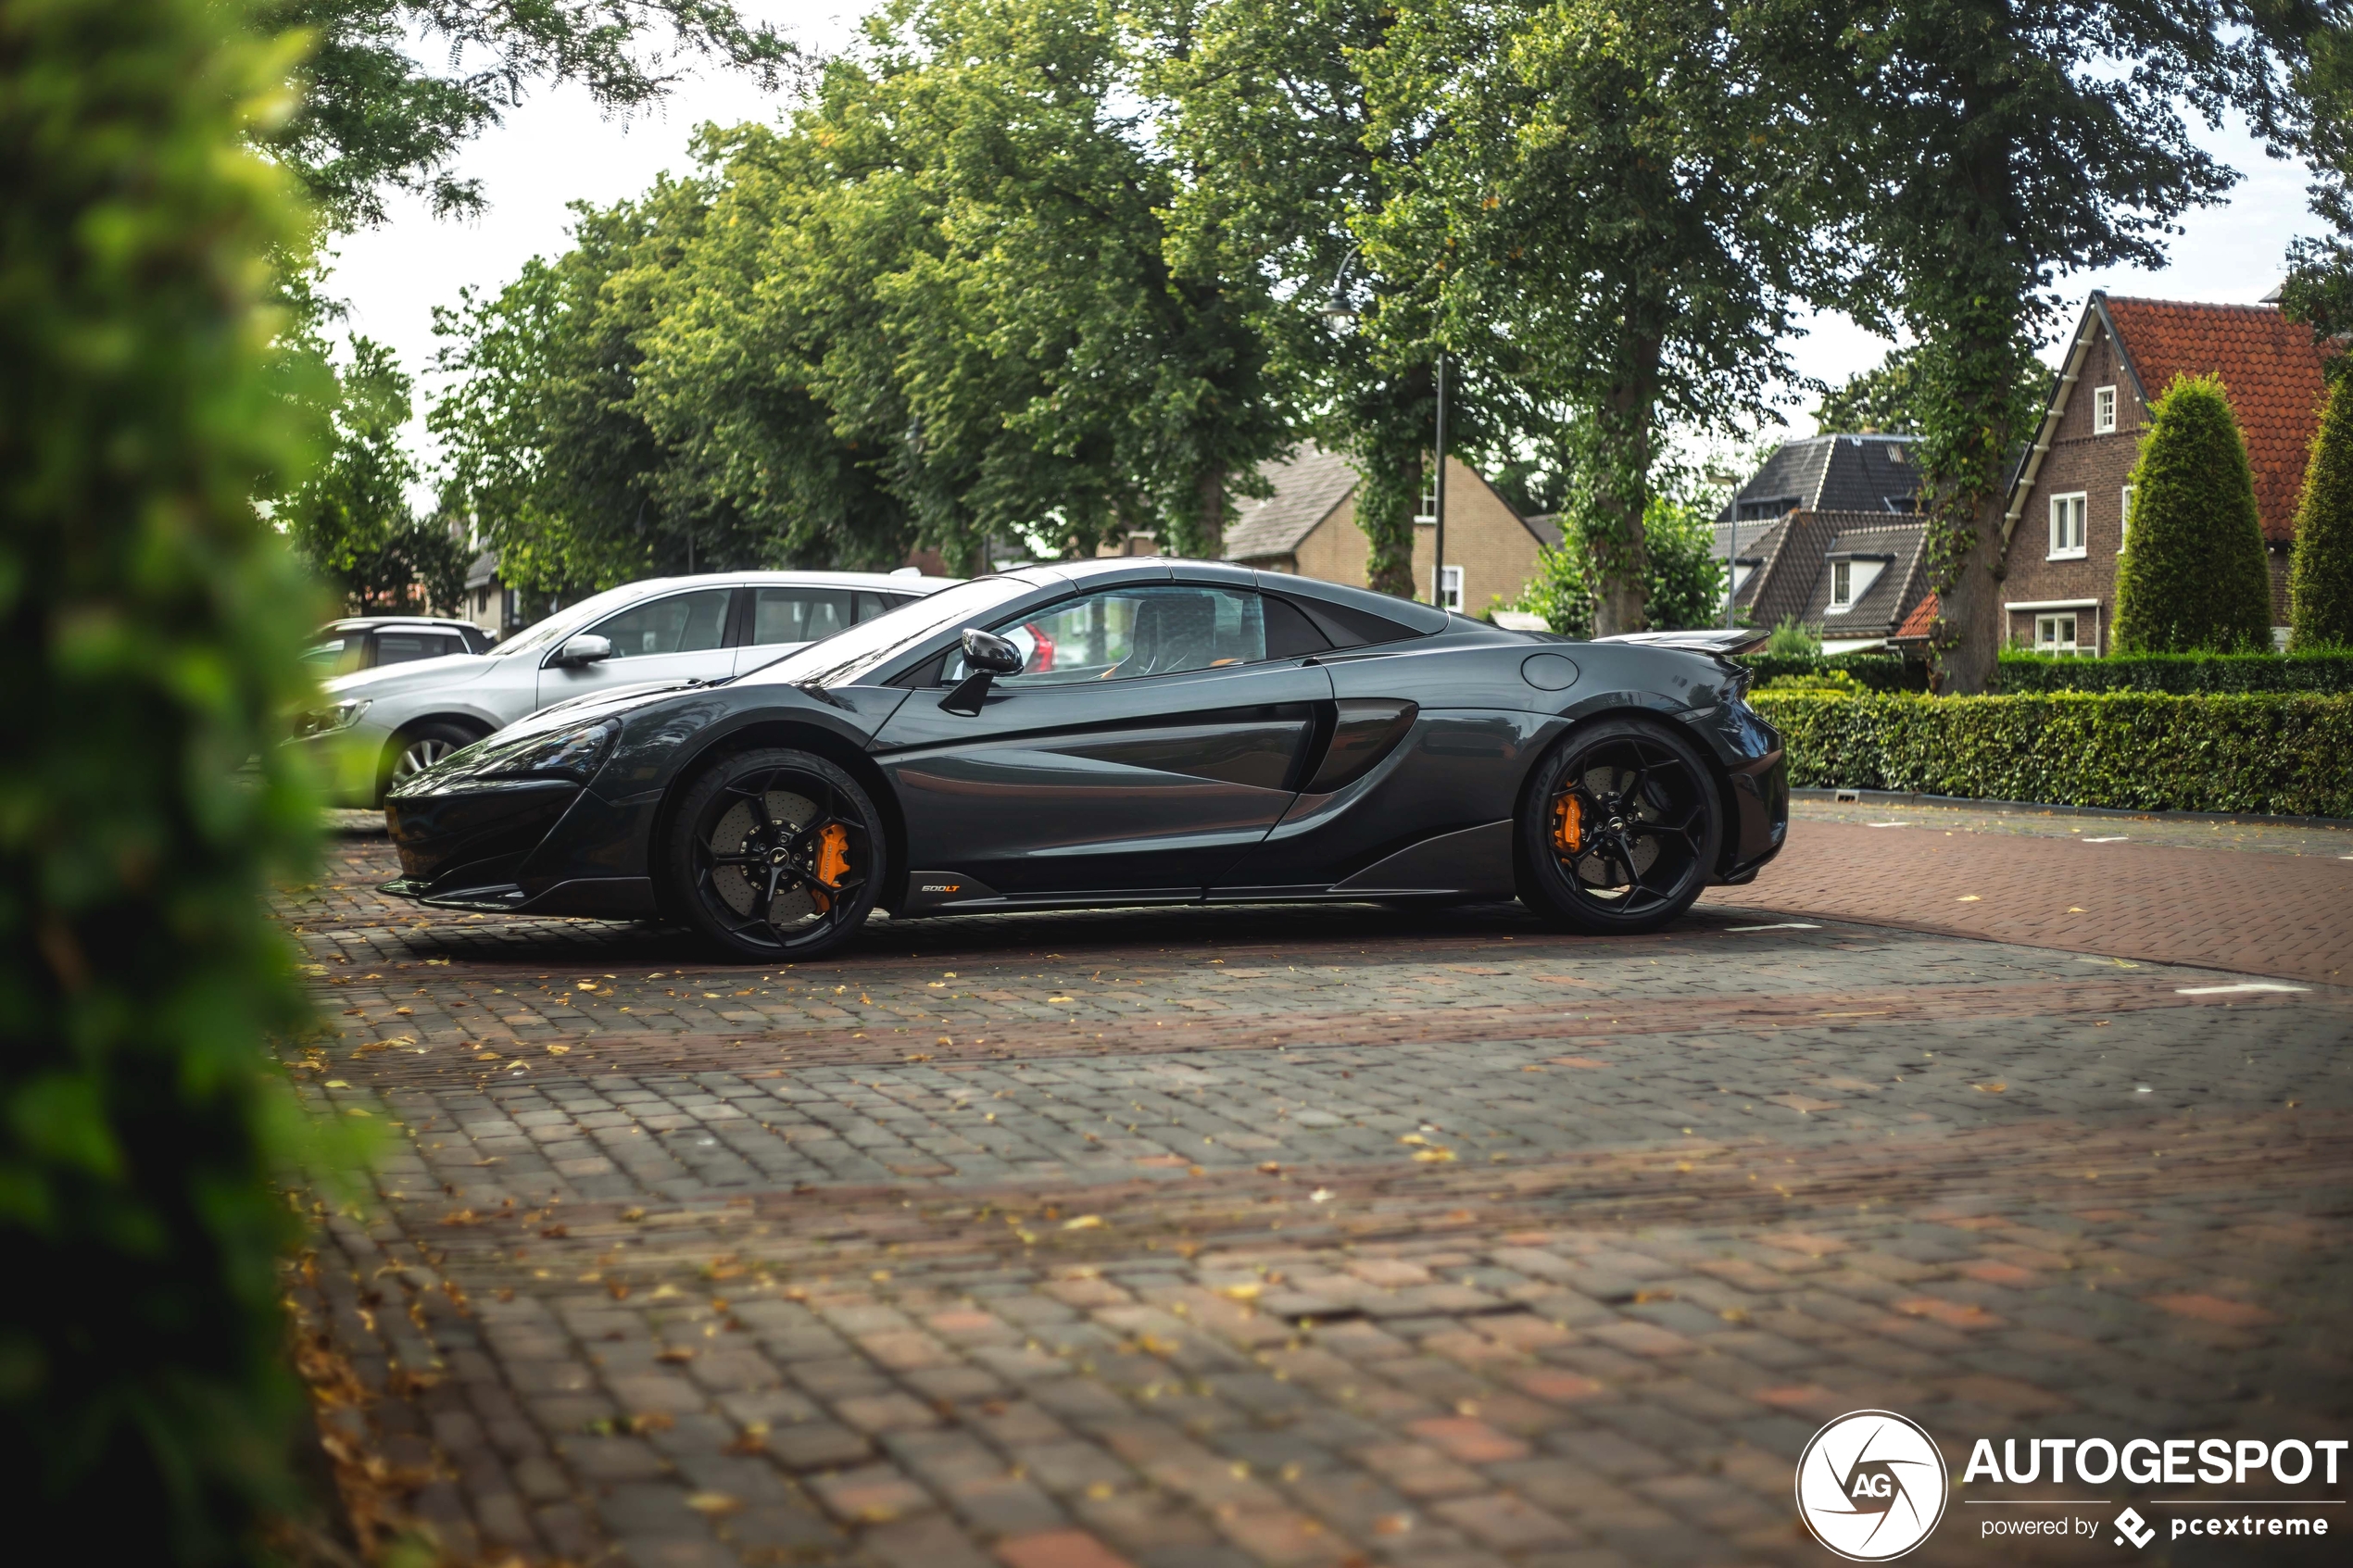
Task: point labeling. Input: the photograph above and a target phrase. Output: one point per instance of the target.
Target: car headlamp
(329, 718)
(567, 754)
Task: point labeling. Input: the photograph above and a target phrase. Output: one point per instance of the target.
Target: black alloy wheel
(1620, 830)
(776, 853)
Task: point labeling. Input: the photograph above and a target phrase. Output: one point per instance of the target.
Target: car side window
(1153, 628)
(798, 615)
(406, 647)
(871, 605)
(694, 622)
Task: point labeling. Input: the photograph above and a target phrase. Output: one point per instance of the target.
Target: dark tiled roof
(2270, 366)
(1830, 473)
(1547, 526)
(1307, 486)
(1794, 580)
(485, 570)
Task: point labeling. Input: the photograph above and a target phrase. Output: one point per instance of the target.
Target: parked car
(385, 723)
(1122, 732)
(369, 641)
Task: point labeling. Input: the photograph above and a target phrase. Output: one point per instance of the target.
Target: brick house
(1849, 578)
(2069, 498)
(1308, 527)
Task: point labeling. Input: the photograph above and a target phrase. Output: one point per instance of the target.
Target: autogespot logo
(1870, 1486)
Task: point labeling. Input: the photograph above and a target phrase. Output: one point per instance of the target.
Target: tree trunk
(1209, 515)
(1968, 622)
(1620, 484)
(1386, 491)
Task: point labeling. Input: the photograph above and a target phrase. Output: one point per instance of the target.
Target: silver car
(378, 725)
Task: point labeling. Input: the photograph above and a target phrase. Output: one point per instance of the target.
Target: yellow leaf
(1084, 1222)
(1433, 1156)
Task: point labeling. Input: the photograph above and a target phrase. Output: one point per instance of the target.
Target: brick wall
(2096, 467)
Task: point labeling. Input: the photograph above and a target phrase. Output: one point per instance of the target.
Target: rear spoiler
(1725, 642)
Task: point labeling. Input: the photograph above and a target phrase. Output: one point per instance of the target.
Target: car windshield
(848, 655)
(565, 621)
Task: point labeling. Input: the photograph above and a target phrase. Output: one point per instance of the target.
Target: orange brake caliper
(1568, 825)
(833, 863)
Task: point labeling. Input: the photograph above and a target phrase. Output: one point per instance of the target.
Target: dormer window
(1842, 584)
(2103, 411)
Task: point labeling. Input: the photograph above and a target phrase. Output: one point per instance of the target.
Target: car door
(673, 637)
(1153, 735)
(783, 617)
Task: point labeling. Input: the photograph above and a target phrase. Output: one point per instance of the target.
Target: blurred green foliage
(149, 627)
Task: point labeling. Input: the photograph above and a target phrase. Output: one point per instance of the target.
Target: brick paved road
(1201, 1239)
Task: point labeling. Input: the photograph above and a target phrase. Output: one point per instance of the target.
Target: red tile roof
(1917, 625)
(2270, 366)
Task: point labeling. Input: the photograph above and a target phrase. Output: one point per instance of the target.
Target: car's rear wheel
(774, 854)
(420, 746)
(1620, 829)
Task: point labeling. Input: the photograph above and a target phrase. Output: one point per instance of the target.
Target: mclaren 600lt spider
(1120, 731)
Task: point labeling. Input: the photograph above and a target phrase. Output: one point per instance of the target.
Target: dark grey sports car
(1121, 731)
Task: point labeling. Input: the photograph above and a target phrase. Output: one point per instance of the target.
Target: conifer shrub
(2193, 576)
(2320, 580)
(150, 623)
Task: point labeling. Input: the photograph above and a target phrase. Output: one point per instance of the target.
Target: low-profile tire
(776, 855)
(1620, 830)
(420, 746)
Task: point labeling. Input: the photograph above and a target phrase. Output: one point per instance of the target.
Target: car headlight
(326, 719)
(567, 754)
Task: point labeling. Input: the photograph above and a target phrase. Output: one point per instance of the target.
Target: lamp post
(1341, 314)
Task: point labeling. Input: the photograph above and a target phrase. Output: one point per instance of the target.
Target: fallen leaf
(1414, 1138)
(1269, 1168)
(1084, 1222)
(1321, 1195)
(1393, 1524)
(337, 1084)
(1247, 1290)
(633, 1213)
(558, 1050)
(1990, 1088)
(678, 1355)
(1966, 899)
(1433, 1156)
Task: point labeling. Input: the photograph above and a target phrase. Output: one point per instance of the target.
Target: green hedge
(1880, 671)
(2183, 674)
(2284, 754)
(150, 628)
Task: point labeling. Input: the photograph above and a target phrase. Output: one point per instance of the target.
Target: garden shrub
(2277, 753)
(1879, 672)
(2193, 575)
(2319, 578)
(149, 627)
(2180, 672)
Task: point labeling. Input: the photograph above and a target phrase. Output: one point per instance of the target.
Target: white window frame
(1841, 585)
(2103, 411)
(1425, 509)
(2068, 509)
(1450, 587)
(2074, 632)
(2123, 517)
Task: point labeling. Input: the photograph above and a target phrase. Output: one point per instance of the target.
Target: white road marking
(2231, 990)
(1786, 926)
(2117, 839)
(1907, 824)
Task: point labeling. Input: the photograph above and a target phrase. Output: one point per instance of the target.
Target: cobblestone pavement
(1213, 1238)
(2183, 830)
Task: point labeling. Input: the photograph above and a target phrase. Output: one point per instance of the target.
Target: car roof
(370, 622)
(815, 579)
(1090, 570)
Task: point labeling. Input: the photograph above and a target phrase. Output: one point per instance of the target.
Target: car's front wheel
(775, 854)
(1620, 829)
(420, 746)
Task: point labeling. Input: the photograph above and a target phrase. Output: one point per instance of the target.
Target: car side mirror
(586, 648)
(987, 656)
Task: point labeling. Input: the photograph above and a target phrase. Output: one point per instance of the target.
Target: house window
(2104, 410)
(2124, 518)
(2054, 633)
(1425, 509)
(1450, 587)
(1842, 584)
(2067, 527)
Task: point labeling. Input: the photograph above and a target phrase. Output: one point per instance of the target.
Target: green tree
(375, 115)
(150, 623)
(1609, 208)
(1278, 160)
(1884, 399)
(351, 519)
(2193, 576)
(2319, 583)
(2004, 148)
(1686, 586)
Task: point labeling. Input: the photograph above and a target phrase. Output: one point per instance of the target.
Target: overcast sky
(557, 149)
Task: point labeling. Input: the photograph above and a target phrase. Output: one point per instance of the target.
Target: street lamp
(1341, 314)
